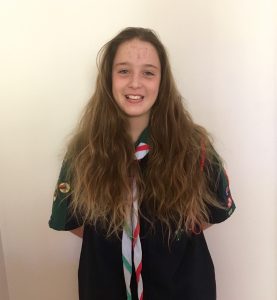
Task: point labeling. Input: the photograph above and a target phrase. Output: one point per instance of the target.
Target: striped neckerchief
(131, 245)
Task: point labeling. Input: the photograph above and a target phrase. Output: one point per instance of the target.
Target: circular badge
(64, 187)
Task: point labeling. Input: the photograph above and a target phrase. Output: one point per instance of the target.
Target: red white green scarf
(130, 239)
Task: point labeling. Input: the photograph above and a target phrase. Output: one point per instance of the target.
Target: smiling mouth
(134, 98)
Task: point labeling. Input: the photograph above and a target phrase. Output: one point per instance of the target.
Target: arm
(78, 231)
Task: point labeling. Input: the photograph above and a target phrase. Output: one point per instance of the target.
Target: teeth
(134, 97)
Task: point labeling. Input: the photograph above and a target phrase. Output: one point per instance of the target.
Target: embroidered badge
(227, 191)
(64, 187)
(229, 202)
(55, 194)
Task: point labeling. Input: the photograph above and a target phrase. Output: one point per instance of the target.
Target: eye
(123, 71)
(148, 73)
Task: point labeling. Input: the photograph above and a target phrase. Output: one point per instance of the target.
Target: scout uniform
(182, 270)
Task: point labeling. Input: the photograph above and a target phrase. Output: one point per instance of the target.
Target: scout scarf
(131, 245)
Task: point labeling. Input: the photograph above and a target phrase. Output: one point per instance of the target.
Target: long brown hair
(173, 188)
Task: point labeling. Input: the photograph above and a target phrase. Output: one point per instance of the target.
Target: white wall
(223, 54)
(4, 293)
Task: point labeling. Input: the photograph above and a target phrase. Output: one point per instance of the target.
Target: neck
(136, 126)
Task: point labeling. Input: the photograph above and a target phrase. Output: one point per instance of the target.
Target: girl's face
(136, 76)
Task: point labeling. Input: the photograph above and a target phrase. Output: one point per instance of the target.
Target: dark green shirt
(182, 271)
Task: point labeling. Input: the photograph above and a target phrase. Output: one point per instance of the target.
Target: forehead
(137, 51)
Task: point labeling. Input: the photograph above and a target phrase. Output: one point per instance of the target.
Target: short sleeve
(61, 217)
(219, 185)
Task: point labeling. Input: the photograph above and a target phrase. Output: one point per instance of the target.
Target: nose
(135, 81)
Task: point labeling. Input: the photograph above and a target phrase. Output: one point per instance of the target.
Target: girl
(140, 182)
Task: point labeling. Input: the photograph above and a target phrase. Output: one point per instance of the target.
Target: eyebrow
(145, 65)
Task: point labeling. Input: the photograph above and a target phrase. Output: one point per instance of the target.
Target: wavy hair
(173, 189)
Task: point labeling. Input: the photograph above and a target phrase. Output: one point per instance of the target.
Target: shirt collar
(143, 138)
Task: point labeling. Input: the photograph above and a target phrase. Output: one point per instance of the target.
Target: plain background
(223, 55)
